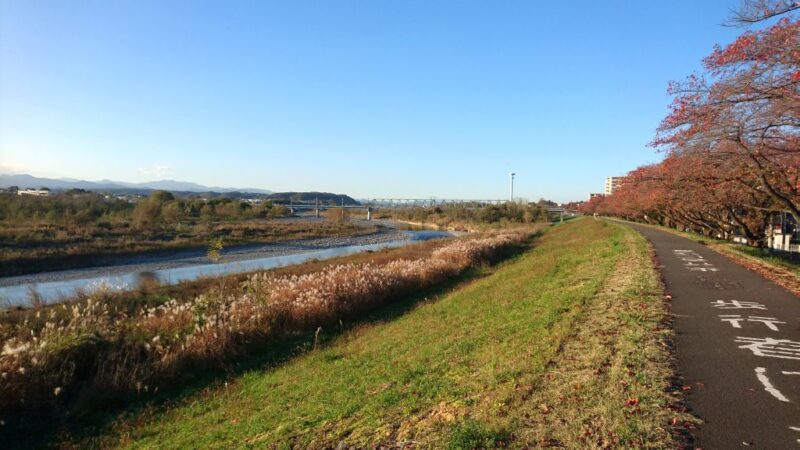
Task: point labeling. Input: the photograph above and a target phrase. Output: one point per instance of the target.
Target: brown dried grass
(89, 353)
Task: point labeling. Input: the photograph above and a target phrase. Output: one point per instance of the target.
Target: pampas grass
(73, 352)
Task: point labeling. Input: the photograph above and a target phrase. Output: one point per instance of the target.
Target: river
(52, 287)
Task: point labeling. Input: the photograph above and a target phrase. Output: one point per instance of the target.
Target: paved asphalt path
(738, 346)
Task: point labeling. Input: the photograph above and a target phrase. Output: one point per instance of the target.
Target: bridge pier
(369, 213)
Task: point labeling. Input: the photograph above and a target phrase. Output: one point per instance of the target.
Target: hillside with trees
(324, 198)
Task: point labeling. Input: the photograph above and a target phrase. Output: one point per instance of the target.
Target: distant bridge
(372, 204)
(425, 202)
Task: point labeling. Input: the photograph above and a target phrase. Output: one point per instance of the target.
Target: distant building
(43, 192)
(783, 232)
(595, 194)
(612, 183)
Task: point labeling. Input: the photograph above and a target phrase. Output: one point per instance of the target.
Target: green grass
(612, 384)
(456, 371)
(767, 257)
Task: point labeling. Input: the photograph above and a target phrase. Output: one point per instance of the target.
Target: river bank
(174, 267)
(26, 250)
(187, 257)
(104, 351)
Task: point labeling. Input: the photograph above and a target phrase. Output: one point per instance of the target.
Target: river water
(55, 291)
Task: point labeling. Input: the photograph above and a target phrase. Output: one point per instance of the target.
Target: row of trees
(162, 207)
(84, 208)
(731, 139)
(74, 207)
(466, 212)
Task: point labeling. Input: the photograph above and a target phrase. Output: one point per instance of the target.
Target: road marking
(770, 347)
(736, 320)
(769, 322)
(761, 374)
(694, 261)
(699, 277)
(736, 304)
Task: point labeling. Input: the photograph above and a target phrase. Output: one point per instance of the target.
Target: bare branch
(754, 11)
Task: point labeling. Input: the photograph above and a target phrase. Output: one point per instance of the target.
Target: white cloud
(156, 171)
(11, 169)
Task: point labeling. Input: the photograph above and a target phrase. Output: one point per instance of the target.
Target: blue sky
(371, 98)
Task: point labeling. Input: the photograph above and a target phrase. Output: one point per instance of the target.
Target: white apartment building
(37, 192)
(612, 183)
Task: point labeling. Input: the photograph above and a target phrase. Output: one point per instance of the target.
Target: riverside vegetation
(74, 228)
(471, 216)
(565, 345)
(73, 357)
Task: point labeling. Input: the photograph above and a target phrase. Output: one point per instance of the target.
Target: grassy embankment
(64, 361)
(564, 345)
(783, 271)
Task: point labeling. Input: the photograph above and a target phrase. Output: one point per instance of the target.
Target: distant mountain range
(24, 181)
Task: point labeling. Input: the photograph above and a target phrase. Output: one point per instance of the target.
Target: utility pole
(511, 197)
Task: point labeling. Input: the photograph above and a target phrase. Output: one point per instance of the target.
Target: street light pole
(511, 197)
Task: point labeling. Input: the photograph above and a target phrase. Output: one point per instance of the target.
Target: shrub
(337, 215)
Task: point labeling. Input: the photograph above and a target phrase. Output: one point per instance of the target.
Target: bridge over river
(369, 205)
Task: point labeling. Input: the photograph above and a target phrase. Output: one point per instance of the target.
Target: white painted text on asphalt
(694, 261)
(736, 304)
(770, 347)
(736, 320)
(767, 347)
